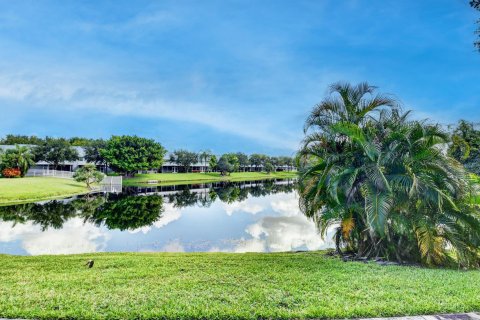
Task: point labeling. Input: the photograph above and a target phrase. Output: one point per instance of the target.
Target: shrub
(383, 183)
(88, 174)
(11, 173)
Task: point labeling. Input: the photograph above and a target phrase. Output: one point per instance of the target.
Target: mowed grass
(37, 188)
(226, 286)
(179, 178)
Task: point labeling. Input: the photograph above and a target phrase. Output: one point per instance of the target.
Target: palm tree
(384, 182)
(204, 156)
(21, 157)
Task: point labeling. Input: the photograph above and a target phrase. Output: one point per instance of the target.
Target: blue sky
(226, 75)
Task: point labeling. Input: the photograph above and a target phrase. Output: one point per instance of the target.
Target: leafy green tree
(93, 152)
(228, 163)
(204, 156)
(80, 141)
(212, 163)
(274, 161)
(286, 161)
(269, 168)
(184, 158)
(243, 161)
(55, 151)
(465, 145)
(128, 154)
(224, 166)
(257, 160)
(11, 139)
(233, 160)
(385, 181)
(21, 157)
(88, 174)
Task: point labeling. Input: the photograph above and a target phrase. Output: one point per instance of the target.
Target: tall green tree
(286, 161)
(243, 161)
(269, 168)
(384, 183)
(257, 160)
(204, 156)
(128, 154)
(465, 145)
(228, 163)
(93, 152)
(20, 157)
(88, 174)
(55, 151)
(275, 161)
(184, 158)
(212, 163)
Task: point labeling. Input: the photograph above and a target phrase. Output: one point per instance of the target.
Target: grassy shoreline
(33, 189)
(219, 285)
(192, 178)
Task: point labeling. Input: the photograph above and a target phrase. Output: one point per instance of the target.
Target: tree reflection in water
(126, 212)
(52, 214)
(136, 207)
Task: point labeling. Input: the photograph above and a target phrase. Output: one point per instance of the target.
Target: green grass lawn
(37, 188)
(233, 286)
(178, 178)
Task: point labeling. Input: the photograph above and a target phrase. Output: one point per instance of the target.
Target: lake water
(220, 217)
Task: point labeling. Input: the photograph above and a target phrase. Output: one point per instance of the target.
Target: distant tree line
(127, 155)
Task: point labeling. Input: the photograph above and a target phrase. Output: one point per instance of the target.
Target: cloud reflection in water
(258, 220)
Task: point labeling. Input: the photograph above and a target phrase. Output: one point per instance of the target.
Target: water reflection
(233, 217)
(121, 212)
(126, 212)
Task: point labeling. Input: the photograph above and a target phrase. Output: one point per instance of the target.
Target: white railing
(108, 184)
(111, 184)
(49, 173)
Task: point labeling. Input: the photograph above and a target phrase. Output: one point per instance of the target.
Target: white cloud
(287, 233)
(173, 246)
(10, 233)
(286, 204)
(84, 91)
(74, 237)
(169, 215)
(248, 206)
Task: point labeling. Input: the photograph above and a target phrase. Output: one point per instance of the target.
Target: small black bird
(89, 263)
